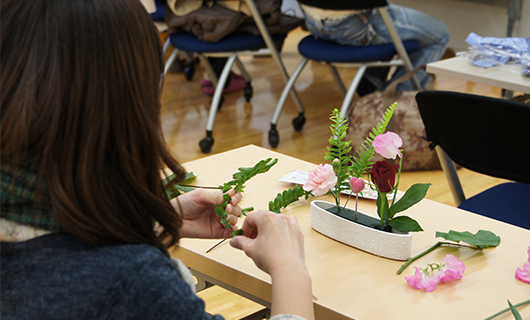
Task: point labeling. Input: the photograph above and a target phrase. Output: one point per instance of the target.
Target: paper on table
(300, 177)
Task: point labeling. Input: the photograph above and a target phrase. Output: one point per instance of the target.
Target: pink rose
(387, 145)
(356, 184)
(321, 180)
(421, 280)
(453, 269)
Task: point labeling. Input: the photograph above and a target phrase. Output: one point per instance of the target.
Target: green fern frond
(362, 163)
(238, 184)
(287, 197)
(245, 174)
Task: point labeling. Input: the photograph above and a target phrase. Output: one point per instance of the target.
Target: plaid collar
(19, 200)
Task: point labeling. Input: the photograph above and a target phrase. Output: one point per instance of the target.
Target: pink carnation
(387, 145)
(321, 180)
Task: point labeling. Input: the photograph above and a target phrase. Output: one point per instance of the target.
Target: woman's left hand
(199, 219)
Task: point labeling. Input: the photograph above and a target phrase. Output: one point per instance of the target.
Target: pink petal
(387, 145)
(321, 180)
(421, 281)
(523, 275)
(454, 268)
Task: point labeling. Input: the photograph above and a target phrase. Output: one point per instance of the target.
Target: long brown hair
(80, 94)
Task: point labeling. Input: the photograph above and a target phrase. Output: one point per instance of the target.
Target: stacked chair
(337, 55)
(231, 46)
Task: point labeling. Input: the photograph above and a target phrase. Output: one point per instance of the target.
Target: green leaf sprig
(339, 150)
(362, 164)
(285, 198)
(238, 184)
(478, 241)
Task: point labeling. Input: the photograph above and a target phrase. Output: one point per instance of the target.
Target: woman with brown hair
(82, 151)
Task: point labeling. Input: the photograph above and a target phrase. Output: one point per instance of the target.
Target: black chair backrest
(345, 4)
(486, 135)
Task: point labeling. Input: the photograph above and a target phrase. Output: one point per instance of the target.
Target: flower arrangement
(346, 171)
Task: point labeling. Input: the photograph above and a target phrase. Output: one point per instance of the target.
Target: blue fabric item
(159, 14)
(501, 50)
(507, 202)
(232, 42)
(327, 51)
(58, 277)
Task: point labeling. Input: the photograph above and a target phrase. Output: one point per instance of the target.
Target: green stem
(418, 256)
(508, 309)
(431, 249)
(398, 180)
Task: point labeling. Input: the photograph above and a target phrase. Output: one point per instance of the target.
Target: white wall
(463, 17)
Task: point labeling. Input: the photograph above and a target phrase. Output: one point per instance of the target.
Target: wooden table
(460, 67)
(349, 283)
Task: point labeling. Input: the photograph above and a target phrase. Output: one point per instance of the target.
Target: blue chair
(337, 55)
(231, 46)
(488, 136)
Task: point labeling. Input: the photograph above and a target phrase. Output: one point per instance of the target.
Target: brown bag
(366, 112)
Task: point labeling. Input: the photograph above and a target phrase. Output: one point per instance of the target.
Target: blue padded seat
(326, 51)
(232, 42)
(507, 202)
(159, 14)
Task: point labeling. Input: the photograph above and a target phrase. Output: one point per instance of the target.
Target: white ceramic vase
(391, 245)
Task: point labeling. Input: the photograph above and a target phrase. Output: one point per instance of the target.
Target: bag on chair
(366, 112)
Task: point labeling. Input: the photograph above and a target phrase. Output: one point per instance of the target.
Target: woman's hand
(276, 244)
(199, 217)
(271, 240)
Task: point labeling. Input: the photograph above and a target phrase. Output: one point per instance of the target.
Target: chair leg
(167, 45)
(206, 143)
(400, 48)
(274, 52)
(274, 137)
(209, 69)
(351, 90)
(170, 60)
(248, 91)
(449, 169)
(337, 79)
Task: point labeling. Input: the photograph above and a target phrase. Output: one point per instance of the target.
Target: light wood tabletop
(352, 284)
(460, 67)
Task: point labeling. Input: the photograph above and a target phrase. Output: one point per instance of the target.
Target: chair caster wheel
(274, 138)
(206, 144)
(189, 71)
(298, 122)
(249, 91)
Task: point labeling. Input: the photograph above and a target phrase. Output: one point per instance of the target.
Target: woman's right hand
(271, 240)
(276, 244)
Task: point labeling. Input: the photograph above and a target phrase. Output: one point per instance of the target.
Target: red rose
(383, 175)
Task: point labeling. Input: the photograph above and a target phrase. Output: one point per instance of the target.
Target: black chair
(337, 55)
(486, 135)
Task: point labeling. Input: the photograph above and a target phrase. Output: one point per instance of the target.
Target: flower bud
(336, 165)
